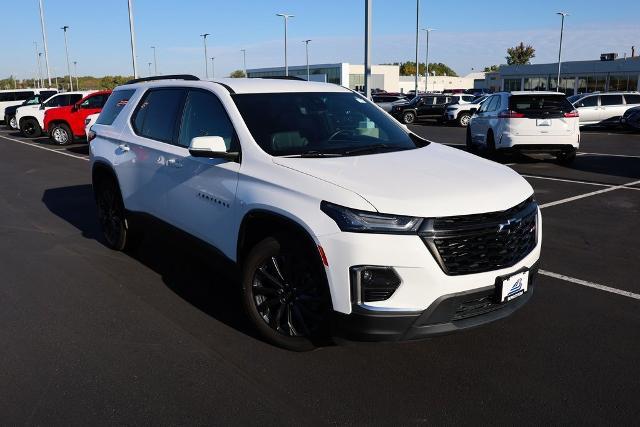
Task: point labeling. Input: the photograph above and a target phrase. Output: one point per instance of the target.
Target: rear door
(425, 106)
(612, 107)
(589, 109)
(544, 115)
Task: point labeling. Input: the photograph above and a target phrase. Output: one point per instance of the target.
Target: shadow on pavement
(192, 270)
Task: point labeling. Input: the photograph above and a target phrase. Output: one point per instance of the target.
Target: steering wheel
(339, 131)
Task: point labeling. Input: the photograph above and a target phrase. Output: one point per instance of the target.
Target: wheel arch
(101, 170)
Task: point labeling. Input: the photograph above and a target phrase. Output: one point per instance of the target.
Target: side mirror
(75, 108)
(212, 147)
(42, 106)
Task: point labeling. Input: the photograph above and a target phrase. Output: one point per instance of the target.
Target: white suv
(30, 118)
(527, 121)
(341, 221)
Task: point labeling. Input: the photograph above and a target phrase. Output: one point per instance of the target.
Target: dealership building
(386, 77)
(607, 74)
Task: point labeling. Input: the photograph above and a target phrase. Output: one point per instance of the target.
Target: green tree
(491, 68)
(520, 54)
(237, 74)
(409, 68)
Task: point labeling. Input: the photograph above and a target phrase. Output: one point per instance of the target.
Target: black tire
(12, 123)
(490, 148)
(471, 147)
(463, 119)
(408, 117)
(116, 230)
(30, 128)
(566, 157)
(61, 134)
(285, 293)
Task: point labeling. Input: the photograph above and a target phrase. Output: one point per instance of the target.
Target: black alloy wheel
(30, 128)
(111, 214)
(409, 117)
(285, 293)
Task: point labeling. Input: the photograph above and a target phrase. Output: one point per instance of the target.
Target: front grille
(482, 242)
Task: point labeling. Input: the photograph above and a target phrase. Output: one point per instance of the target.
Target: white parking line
(573, 181)
(609, 155)
(582, 196)
(53, 150)
(590, 284)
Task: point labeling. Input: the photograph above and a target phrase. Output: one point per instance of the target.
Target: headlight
(357, 221)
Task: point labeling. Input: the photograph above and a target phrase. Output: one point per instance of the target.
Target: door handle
(174, 163)
(124, 147)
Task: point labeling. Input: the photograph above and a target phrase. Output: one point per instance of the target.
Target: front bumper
(447, 314)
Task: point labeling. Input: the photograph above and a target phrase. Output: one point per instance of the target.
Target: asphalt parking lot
(158, 337)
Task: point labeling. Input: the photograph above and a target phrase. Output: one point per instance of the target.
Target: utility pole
(44, 41)
(244, 61)
(206, 57)
(155, 61)
(39, 74)
(306, 46)
(417, 37)
(66, 48)
(286, 20)
(40, 69)
(133, 41)
(367, 48)
(426, 62)
(149, 75)
(213, 67)
(75, 71)
(563, 14)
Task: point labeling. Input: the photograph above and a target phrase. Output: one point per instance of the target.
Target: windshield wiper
(368, 149)
(313, 153)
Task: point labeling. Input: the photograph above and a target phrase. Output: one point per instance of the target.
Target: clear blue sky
(469, 33)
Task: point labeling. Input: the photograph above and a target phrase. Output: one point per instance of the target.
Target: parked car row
(61, 116)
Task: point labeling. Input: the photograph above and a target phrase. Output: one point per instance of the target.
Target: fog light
(373, 283)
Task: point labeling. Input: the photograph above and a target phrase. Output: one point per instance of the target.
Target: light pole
(66, 48)
(286, 20)
(417, 41)
(426, 62)
(155, 61)
(206, 57)
(244, 61)
(44, 41)
(75, 71)
(40, 69)
(563, 14)
(306, 49)
(213, 67)
(367, 49)
(149, 63)
(35, 44)
(133, 42)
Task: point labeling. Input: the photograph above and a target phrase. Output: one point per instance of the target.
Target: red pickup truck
(64, 124)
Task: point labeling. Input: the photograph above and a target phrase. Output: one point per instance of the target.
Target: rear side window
(539, 104)
(632, 99)
(57, 101)
(441, 100)
(204, 115)
(611, 100)
(23, 96)
(96, 101)
(157, 114)
(47, 94)
(114, 105)
(589, 101)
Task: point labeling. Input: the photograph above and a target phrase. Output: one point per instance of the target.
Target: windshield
(573, 98)
(35, 99)
(317, 124)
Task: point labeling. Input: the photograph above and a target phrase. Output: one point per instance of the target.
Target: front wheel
(30, 128)
(463, 119)
(409, 117)
(285, 294)
(61, 134)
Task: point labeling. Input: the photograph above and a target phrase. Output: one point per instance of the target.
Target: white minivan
(605, 108)
(339, 219)
(528, 122)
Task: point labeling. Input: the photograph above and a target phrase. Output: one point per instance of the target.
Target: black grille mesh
(484, 242)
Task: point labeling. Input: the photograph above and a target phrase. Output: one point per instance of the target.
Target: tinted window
(491, 104)
(96, 101)
(441, 100)
(204, 115)
(539, 104)
(588, 101)
(611, 100)
(72, 99)
(467, 98)
(632, 99)
(7, 96)
(312, 123)
(23, 96)
(157, 114)
(57, 101)
(116, 102)
(47, 94)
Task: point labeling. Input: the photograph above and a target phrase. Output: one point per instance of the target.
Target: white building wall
(437, 83)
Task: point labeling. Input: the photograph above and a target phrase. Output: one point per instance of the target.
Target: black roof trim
(227, 87)
(281, 78)
(188, 77)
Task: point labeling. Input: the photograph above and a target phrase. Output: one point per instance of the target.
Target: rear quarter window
(115, 104)
(611, 100)
(632, 99)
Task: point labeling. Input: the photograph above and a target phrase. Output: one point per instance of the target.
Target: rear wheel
(285, 293)
(566, 157)
(12, 123)
(111, 215)
(490, 148)
(409, 117)
(30, 128)
(471, 147)
(463, 119)
(61, 134)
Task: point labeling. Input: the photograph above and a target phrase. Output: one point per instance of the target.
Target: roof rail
(281, 78)
(167, 77)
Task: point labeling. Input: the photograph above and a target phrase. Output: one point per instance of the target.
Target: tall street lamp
(367, 48)
(206, 57)
(426, 61)
(286, 20)
(213, 67)
(44, 41)
(132, 33)
(562, 14)
(38, 72)
(155, 61)
(306, 49)
(66, 48)
(244, 61)
(75, 71)
(149, 63)
(40, 69)
(417, 41)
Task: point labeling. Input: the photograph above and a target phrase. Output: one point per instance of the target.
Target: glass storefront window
(582, 85)
(535, 83)
(567, 85)
(512, 84)
(633, 82)
(618, 83)
(596, 83)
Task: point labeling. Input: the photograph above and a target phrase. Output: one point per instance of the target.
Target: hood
(432, 181)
